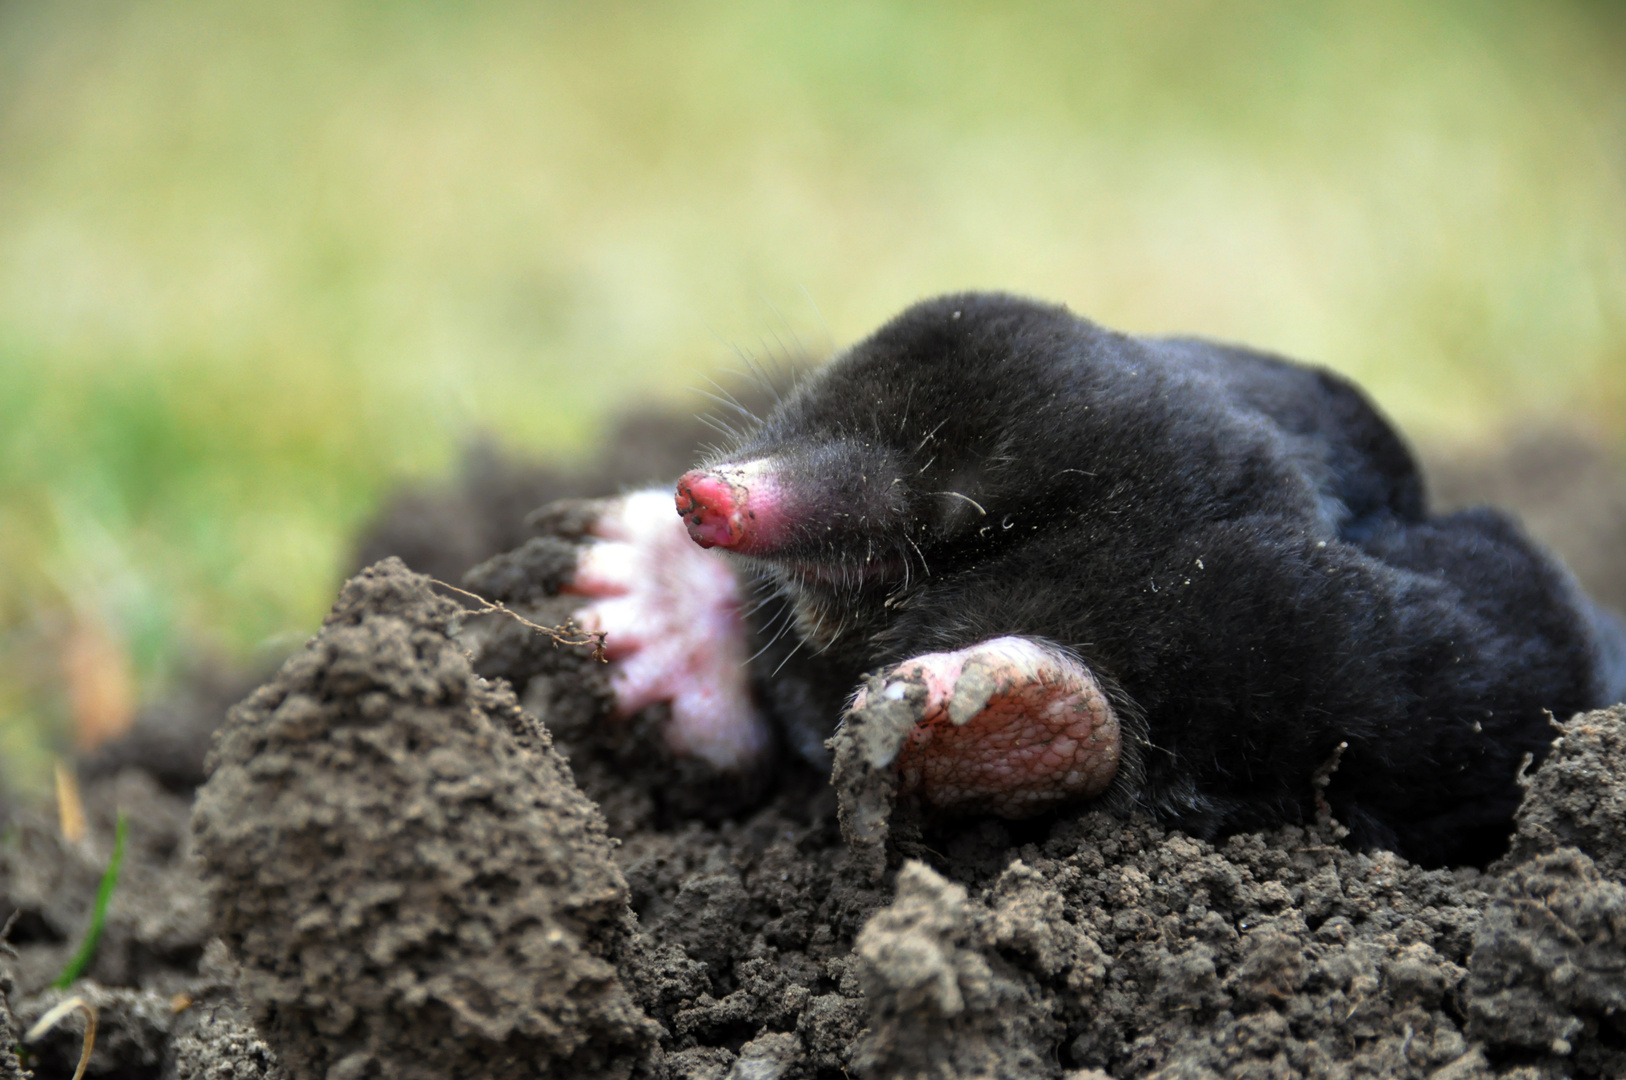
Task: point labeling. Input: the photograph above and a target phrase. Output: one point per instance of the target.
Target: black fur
(1237, 545)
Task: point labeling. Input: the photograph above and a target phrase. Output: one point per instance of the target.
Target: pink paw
(1009, 726)
(670, 613)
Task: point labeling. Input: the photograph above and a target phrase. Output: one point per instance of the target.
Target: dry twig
(567, 634)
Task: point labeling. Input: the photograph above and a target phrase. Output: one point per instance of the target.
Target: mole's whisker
(967, 498)
(720, 426)
(929, 435)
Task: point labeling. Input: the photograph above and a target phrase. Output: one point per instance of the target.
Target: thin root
(1319, 781)
(54, 1015)
(567, 634)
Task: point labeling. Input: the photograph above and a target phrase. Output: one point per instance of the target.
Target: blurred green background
(261, 262)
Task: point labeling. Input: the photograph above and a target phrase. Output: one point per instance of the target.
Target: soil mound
(411, 881)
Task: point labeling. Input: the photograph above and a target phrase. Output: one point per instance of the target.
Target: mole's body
(1167, 571)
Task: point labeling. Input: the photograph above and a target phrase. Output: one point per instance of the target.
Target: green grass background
(259, 262)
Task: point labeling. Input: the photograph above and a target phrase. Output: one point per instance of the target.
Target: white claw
(674, 633)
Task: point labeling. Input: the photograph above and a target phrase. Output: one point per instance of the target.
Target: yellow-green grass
(260, 262)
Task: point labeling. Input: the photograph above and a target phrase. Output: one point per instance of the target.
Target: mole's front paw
(670, 613)
(1009, 726)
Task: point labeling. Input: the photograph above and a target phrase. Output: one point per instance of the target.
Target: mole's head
(903, 457)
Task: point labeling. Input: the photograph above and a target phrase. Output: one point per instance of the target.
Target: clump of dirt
(863, 750)
(941, 1001)
(391, 833)
(1548, 972)
(1576, 797)
(403, 866)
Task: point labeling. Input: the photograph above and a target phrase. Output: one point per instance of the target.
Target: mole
(1154, 573)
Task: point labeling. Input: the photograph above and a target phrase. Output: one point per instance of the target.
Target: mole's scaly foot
(673, 630)
(1009, 726)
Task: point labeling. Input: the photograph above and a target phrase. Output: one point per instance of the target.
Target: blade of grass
(98, 917)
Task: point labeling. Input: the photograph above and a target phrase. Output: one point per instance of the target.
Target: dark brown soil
(393, 871)
(403, 867)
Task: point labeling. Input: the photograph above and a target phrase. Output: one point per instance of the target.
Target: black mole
(1237, 549)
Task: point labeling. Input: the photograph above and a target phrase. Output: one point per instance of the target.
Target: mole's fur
(1237, 547)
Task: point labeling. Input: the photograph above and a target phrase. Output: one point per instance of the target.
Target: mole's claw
(1009, 726)
(670, 613)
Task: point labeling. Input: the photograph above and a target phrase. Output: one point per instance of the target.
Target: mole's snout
(733, 507)
(711, 509)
